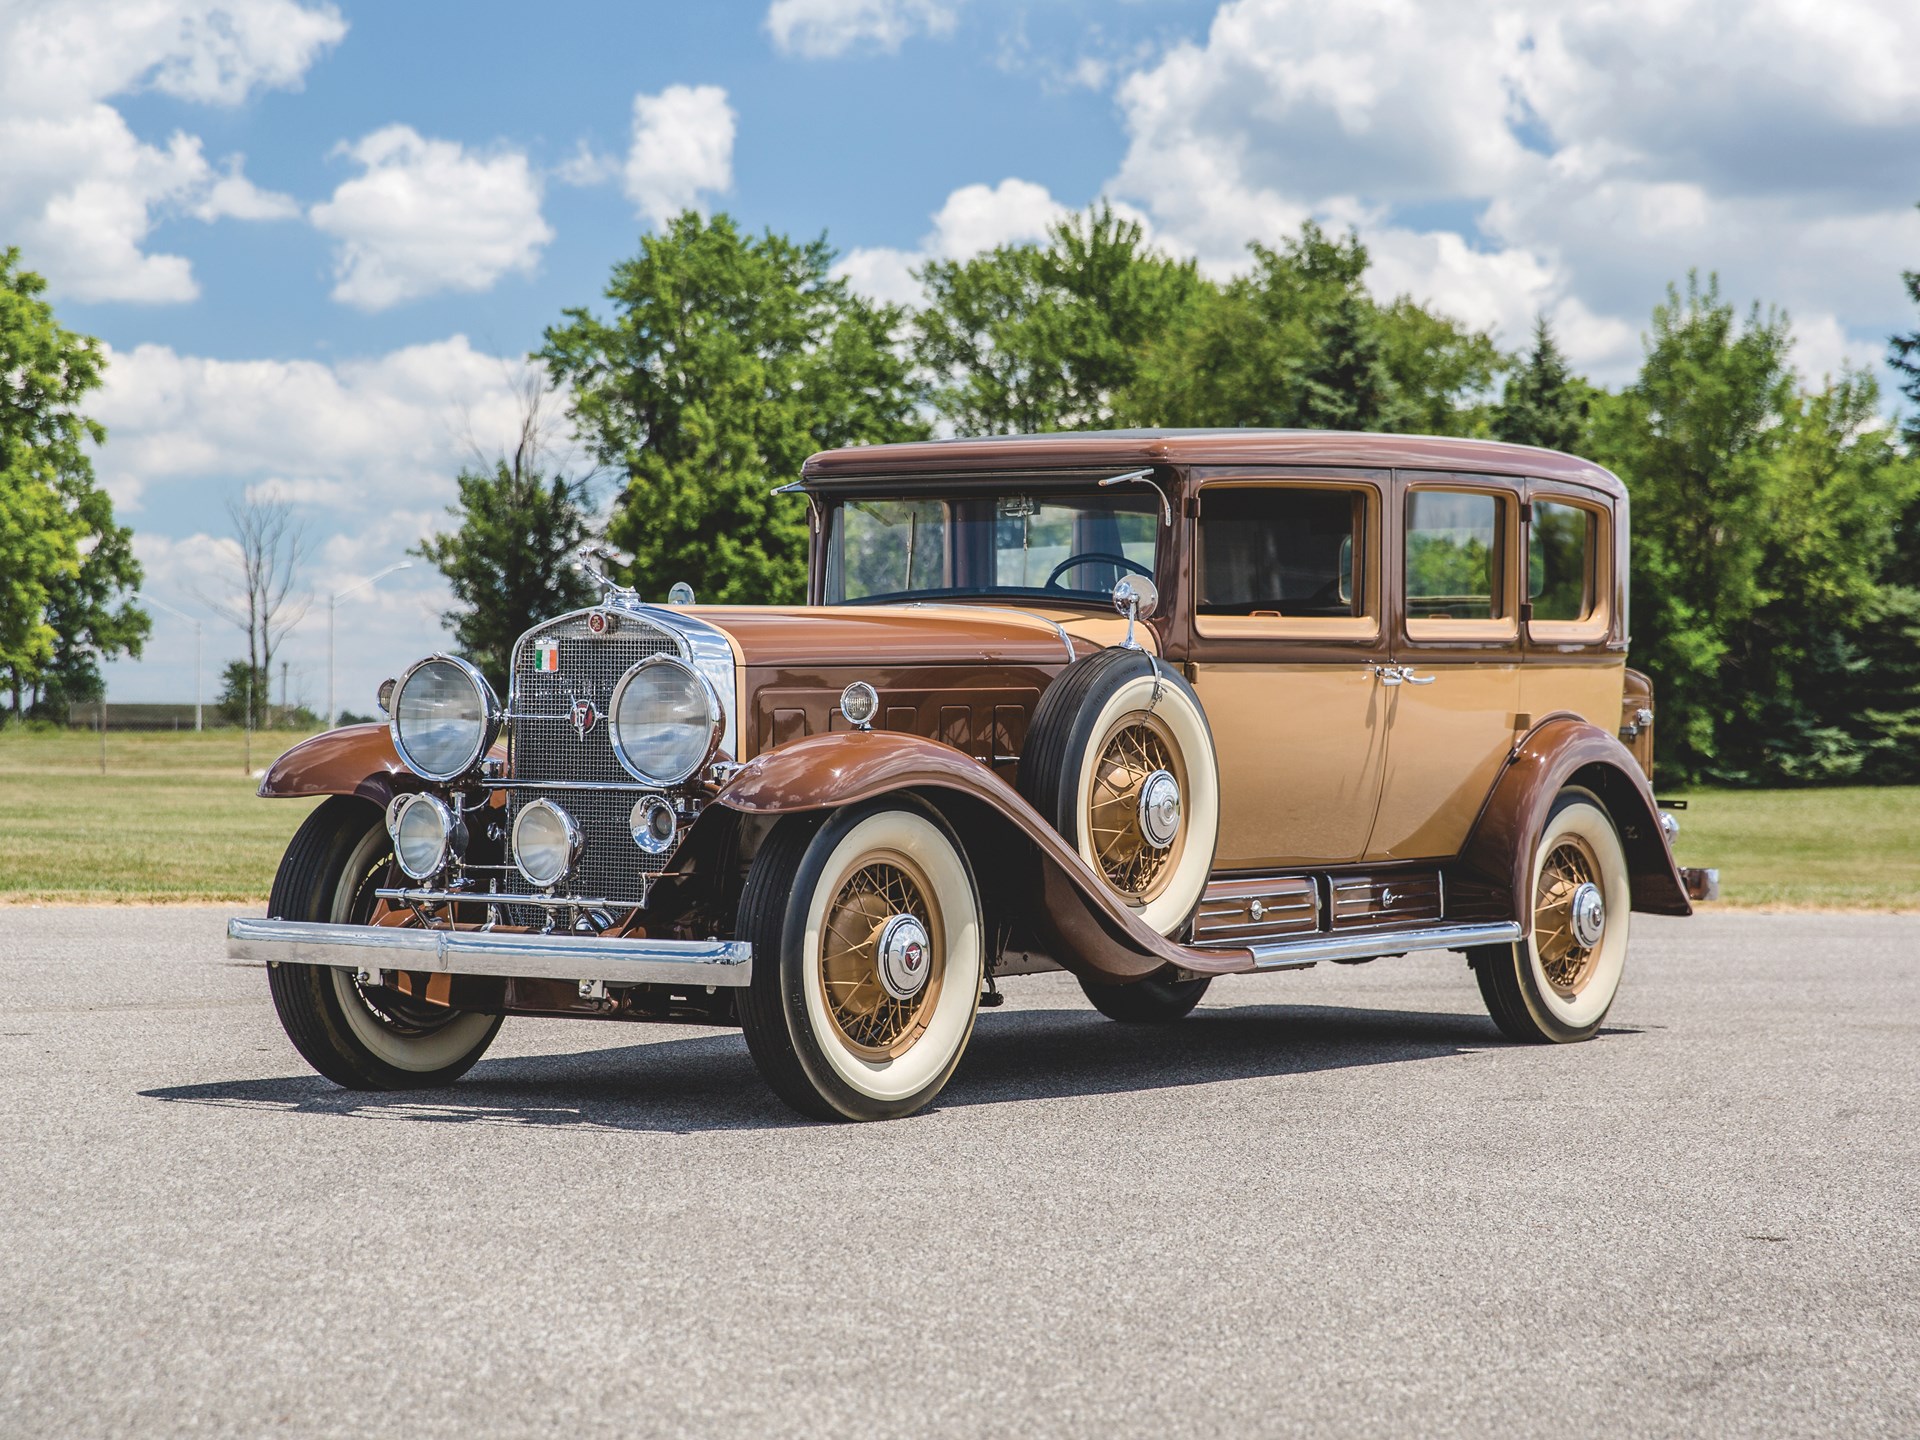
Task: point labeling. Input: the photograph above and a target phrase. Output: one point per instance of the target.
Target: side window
(1560, 562)
(1282, 552)
(1453, 556)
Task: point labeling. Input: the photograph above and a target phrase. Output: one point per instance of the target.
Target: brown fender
(353, 760)
(1097, 933)
(1563, 751)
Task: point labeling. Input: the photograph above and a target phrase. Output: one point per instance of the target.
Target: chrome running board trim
(373, 948)
(1289, 954)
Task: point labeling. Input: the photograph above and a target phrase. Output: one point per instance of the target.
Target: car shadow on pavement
(706, 1082)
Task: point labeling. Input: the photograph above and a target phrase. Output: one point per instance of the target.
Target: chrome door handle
(1389, 674)
(1406, 674)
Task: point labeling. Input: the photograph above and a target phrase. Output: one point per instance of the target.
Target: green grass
(1808, 849)
(174, 818)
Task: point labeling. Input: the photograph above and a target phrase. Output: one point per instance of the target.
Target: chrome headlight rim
(576, 839)
(492, 716)
(716, 707)
(397, 813)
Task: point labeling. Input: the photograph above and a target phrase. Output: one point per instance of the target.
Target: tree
(1696, 438)
(1030, 338)
(1300, 342)
(1544, 404)
(243, 686)
(63, 560)
(272, 547)
(509, 562)
(1904, 357)
(727, 361)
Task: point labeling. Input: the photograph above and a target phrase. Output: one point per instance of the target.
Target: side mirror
(1136, 597)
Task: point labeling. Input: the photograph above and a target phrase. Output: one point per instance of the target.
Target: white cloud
(79, 190)
(682, 150)
(1508, 157)
(366, 450)
(821, 29)
(974, 218)
(430, 215)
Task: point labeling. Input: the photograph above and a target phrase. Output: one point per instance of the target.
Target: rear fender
(1094, 933)
(1560, 752)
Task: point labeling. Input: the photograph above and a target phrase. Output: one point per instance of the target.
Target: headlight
(666, 720)
(423, 834)
(445, 717)
(547, 843)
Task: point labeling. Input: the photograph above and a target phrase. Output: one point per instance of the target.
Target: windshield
(1059, 545)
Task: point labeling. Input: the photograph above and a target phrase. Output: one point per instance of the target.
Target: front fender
(1096, 933)
(1565, 751)
(352, 760)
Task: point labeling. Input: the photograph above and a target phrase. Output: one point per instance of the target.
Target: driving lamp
(444, 717)
(666, 720)
(547, 844)
(424, 833)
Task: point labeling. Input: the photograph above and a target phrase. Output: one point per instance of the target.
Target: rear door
(1453, 718)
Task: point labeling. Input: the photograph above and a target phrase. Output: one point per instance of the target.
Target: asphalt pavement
(1333, 1201)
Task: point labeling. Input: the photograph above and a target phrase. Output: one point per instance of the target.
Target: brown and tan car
(1154, 707)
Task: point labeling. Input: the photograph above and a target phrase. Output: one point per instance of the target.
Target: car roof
(1087, 449)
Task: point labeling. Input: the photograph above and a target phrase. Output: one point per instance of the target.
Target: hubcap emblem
(905, 952)
(1587, 916)
(1159, 809)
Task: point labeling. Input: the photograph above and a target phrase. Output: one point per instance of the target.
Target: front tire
(1557, 984)
(364, 1038)
(868, 953)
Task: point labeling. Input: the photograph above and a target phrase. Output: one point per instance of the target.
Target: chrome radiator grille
(550, 756)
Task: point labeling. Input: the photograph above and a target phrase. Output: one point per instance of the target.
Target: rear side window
(1560, 562)
(1453, 556)
(1285, 551)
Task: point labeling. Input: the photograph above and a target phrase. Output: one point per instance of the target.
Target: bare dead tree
(273, 546)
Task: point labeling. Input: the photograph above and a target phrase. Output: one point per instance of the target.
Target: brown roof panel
(1082, 449)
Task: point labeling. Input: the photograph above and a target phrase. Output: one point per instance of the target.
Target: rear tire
(364, 1038)
(1550, 988)
(1153, 1001)
(845, 1020)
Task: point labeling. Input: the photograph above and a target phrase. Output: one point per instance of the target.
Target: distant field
(175, 818)
(1808, 849)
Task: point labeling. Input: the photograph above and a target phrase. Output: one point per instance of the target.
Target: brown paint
(1562, 752)
(353, 760)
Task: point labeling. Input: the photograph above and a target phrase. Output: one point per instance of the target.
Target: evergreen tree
(1545, 404)
(1696, 437)
(1904, 357)
(727, 361)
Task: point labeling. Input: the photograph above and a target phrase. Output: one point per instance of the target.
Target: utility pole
(285, 713)
(199, 721)
(333, 600)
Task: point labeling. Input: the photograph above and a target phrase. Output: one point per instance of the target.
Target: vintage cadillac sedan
(1153, 707)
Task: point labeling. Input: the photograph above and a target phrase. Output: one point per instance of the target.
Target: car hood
(786, 636)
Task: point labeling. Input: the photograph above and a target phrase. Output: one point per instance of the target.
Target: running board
(1311, 950)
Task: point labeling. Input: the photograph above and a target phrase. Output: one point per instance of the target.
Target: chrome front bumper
(370, 949)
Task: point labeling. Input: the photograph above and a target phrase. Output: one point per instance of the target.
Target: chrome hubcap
(1160, 809)
(904, 950)
(1587, 916)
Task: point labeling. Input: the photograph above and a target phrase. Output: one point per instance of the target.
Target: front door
(1285, 647)
(1455, 707)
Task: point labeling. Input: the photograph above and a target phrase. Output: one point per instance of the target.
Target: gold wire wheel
(874, 1022)
(1568, 964)
(1135, 747)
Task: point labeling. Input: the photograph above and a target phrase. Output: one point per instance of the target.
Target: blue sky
(319, 237)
